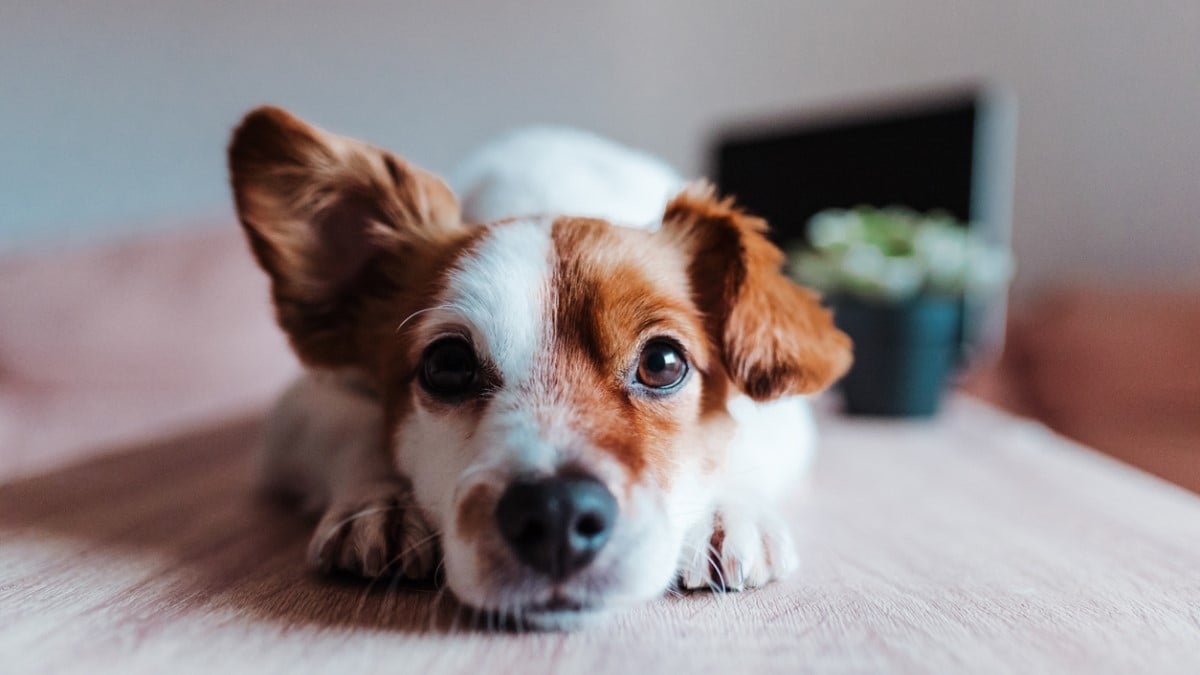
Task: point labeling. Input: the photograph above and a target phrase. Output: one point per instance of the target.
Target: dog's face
(555, 387)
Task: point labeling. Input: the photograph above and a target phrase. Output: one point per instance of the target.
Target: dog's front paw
(742, 547)
(377, 532)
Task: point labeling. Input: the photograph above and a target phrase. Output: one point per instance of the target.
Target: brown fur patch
(615, 289)
(476, 512)
(774, 337)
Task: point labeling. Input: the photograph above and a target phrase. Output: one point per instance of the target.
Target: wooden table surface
(975, 543)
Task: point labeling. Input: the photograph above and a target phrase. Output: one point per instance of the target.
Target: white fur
(553, 170)
(775, 442)
(321, 457)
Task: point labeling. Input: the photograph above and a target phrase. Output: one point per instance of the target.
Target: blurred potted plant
(897, 279)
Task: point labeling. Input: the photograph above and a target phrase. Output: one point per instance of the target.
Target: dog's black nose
(556, 525)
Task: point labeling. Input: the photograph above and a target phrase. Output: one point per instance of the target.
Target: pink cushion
(106, 346)
(1120, 371)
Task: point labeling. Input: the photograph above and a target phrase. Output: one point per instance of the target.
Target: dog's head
(554, 387)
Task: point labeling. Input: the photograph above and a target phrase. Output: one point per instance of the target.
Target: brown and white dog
(570, 414)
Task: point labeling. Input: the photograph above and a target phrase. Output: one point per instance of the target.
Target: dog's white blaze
(500, 292)
(520, 444)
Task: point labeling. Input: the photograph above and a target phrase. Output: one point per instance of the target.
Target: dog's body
(572, 412)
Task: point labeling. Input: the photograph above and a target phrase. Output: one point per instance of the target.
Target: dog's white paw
(377, 532)
(742, 547)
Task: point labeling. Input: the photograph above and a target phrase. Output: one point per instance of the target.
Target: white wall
(113, 115)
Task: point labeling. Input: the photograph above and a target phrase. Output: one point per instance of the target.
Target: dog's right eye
(449, 368)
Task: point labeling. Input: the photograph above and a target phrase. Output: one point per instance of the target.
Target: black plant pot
(903, 354)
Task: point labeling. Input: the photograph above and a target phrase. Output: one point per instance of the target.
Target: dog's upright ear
(774, 337)
(321, 213)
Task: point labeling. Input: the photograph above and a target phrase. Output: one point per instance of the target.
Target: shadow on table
(185, 510)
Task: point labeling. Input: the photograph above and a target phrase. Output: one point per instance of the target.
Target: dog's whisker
(335, 528)
(419, 312)
(714, 562)
(411, 548)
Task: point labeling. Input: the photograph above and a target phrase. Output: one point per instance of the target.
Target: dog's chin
(564, 619)
(557, 613)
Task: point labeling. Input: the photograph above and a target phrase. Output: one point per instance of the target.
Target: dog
(568, 409)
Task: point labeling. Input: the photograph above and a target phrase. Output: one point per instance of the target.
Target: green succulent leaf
(895, 254)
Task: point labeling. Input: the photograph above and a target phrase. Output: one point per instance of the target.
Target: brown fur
(475, 516)
(616, 289)
(774, 337)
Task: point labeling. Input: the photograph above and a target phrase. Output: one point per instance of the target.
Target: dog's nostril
(589, 525)
(556, 525)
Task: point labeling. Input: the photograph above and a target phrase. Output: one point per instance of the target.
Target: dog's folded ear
(321, 212)
(773, 336)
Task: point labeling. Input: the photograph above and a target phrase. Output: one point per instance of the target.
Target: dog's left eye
(449, 368)
(661, 365)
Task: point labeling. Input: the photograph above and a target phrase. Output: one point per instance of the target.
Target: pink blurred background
(128, 306)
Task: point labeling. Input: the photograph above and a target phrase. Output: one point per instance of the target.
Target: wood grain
(977, 543)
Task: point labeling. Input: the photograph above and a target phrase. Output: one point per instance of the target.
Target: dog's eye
(449, 368)
(661, 365)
